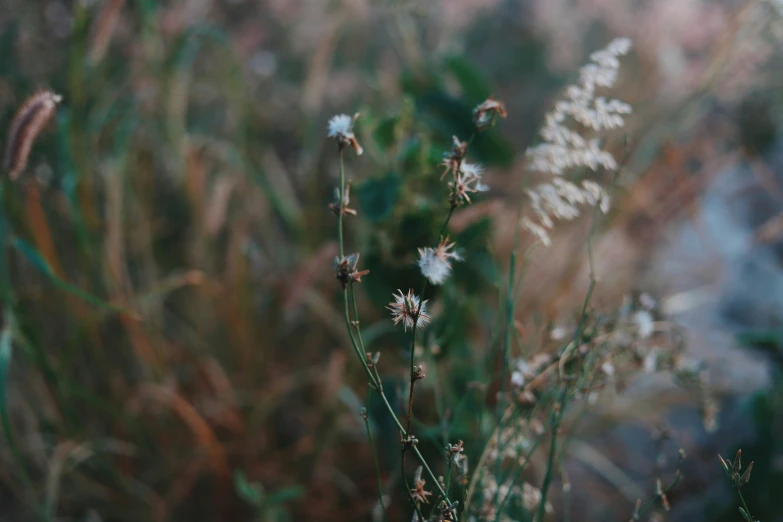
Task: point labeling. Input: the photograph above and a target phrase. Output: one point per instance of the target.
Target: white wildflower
(341, 130)
(643, 320)
(517, 379)
(435, 263)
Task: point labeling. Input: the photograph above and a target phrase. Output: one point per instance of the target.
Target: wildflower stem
(412, 369)
(448, 474)
(559, 411)
(409, 490)
(644, 509)
(510, 302)
(341, 208)
(375, 461)
(745, 505)
(362, 356)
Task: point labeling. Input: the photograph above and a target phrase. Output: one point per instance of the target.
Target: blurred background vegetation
(173, 346)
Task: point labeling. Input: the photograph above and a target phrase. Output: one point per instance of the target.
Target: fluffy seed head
(341, 130)
(435, 263)
(409, 310)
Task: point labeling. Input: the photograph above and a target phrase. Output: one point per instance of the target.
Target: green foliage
(377, 197)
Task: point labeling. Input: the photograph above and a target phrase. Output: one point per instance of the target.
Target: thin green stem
(559, 411)
(341, 208)
(409, 490)
(644, 509)
(448, 474)
(375, 460)
(510, 302)
(744, 504)
(361, 355)
(413, 372)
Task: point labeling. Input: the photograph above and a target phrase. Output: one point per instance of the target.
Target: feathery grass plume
(565, 148)
(27, 124)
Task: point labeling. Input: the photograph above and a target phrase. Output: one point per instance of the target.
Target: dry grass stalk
(25, 128)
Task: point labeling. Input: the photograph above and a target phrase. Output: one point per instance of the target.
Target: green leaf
(377, 197)
(40, 264)
(469, 77)
(250, 492)
(284, 495)
(5, 362)
(385, 133)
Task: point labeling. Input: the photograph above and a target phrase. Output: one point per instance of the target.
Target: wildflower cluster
(564, 149)
(409, 309)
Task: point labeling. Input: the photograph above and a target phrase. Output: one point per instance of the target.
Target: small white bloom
(647, 301)
(608, 368)
(644, 323)
(472, 170)
(435, 263)
(340, 125)
(517, 379)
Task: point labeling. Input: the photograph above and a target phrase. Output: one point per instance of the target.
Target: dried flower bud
(418, 492)
(25, 128)
(418, 374)
(346, 271)
(340, 204)
(455, 449)
(745, 478)
(409, 441)
(484, 114)
(452, 159)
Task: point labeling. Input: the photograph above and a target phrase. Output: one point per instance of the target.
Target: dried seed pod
(25, 128)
